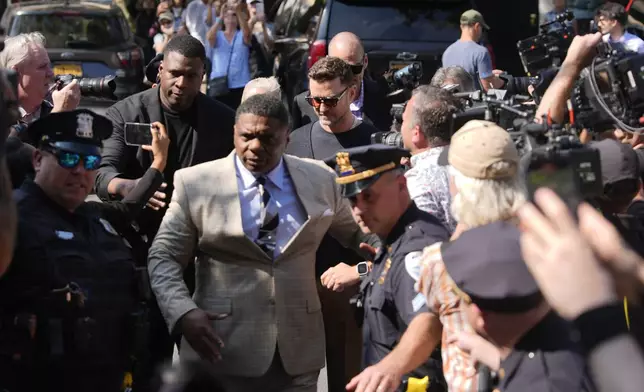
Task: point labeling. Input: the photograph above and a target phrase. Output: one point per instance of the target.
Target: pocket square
(328, 212)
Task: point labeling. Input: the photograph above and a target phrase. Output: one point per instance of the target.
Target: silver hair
(453, 75)
(17, 49)
(269, 85)
(480, 202)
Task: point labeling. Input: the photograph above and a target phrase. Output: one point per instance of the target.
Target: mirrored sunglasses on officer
(74, 138)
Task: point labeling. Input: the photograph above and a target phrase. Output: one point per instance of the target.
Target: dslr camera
(91, 87)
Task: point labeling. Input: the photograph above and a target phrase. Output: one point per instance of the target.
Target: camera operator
(425, 133)
(611, 19)
(26, 54)
(457, 75)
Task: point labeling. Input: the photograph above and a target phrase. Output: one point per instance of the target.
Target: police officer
(69, 302)
(535, 350)
(399, 333)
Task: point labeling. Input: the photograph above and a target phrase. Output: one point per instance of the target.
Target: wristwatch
(363, 269)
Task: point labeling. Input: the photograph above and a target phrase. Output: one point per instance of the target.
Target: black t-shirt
(311, 141)
(180, 128)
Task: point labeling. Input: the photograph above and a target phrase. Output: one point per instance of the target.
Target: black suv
(84, 39)
(395, 33)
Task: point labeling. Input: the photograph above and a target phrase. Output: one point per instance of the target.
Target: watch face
(362, 268)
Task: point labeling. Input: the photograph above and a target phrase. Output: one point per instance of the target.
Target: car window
(305, 16)
(72, 30)
(284, 16)
(399, 20)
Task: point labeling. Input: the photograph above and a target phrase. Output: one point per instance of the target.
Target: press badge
(64, 235)
(108, 227)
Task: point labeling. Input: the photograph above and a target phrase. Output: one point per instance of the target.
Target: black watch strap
(601, 324)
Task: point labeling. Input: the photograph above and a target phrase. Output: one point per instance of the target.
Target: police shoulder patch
(412, 264)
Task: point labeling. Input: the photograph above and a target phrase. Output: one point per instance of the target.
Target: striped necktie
(270, 219)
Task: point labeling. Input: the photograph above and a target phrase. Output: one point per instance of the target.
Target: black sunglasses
(316, 102)
(356, 68)
(70, 160)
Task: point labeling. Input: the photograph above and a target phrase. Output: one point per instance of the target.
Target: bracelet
(600, 324)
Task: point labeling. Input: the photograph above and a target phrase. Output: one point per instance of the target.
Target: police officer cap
(80, 131)
(487, 268)
(359, 167)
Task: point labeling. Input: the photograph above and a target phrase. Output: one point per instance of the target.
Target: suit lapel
(305, 191)
(235, 228)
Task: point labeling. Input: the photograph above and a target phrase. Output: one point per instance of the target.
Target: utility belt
(65, 329)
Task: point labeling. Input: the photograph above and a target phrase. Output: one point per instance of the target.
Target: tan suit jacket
(271, 303)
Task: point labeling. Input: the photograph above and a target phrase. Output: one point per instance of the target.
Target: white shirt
(630, 42)
(195, 20)
(283, 197)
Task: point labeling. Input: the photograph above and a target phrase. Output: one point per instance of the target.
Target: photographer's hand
(581, 52)
(67, 98)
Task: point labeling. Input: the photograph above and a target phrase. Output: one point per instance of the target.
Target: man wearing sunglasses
(332, 84)
(369, 104)
(72, 279)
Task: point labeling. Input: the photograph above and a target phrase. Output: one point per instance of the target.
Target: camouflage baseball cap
(470, 17)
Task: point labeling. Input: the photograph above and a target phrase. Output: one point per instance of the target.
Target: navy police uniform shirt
(390, 298)
(486, 265)
(546, 359)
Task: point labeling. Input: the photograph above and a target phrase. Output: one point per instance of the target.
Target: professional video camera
(90, 87)
(407, 78)
(554, 157)
(549, 47)
(610, 92)
(491, 106)
(401, 83)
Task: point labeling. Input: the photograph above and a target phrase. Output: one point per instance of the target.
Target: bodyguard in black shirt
(200, 129)
(332, 88)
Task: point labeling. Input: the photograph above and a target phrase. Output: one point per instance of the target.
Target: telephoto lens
(91, 87)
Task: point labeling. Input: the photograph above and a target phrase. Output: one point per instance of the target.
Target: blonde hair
(18, 48)
(270, 85)
(480, 202)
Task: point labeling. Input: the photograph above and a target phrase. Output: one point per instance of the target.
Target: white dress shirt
(283, 197)
(630, 42)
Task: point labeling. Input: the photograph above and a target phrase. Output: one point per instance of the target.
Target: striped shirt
(442, 300)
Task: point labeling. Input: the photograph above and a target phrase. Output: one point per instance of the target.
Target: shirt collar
(356, 105)
(425, 154)
(249, 180)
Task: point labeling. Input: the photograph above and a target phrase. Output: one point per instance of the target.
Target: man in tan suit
(253, 221)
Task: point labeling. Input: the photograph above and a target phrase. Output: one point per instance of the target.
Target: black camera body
(610, 91)
(549, 47)
(554, 157)
(407, 78)
(391, 138)
(91, 87)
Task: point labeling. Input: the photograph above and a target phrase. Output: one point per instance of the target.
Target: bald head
(348, 47)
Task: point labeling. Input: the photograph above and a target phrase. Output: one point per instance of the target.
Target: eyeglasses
(70, 160)
(331, 102)
(356, 68)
